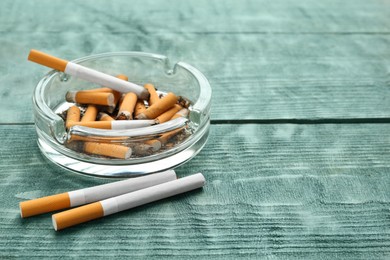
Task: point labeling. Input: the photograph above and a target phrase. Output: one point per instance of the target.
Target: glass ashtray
(62, 146)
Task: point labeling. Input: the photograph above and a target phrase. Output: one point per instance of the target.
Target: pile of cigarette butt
(106, 108)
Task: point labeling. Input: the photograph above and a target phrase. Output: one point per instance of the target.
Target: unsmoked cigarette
(93, 98)
(167, 115)
(153, 98)
(90, 114)
(115, 125)
(72, 116)
(84, 196)
(127, 106)
(105, 117)
(139, 107)
(159, 107)
(109, 150)
(88, 74)
(126, 201)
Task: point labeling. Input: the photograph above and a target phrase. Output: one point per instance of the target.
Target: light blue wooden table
(298, 160)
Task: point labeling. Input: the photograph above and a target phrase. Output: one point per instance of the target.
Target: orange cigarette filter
(105, 117)
(159, 107)
(139, 107)
(90, 114)
(153, 98)
(77, 215)
(127, 106)
(110, 150)
(72, 116)
(166, 116)
(44, 205)
(93, 98)
(47, 60)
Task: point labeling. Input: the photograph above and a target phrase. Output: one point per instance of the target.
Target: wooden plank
(273, 191)
(252, 76)
(202, 16)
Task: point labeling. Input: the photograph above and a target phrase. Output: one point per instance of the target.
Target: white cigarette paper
(150, 194)
(88, 195)
(130, 124)
(103, 79)
(84, 196)
(126, 201)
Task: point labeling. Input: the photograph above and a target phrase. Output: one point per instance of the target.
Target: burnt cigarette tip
(145, 94)
(124, 115)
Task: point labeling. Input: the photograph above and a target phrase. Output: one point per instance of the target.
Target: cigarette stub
(164, 138)
(139, 107)
(90, 114)
(117, 96)
(127, 106)
(182, 113)
(155, 144)
(184, 102)
(167, 115)
(147, 147)
(109, 150)
(72, 116)
(126, 201)
(87, 74)
(105, 117)
(153, 98)
(159, 107)
(84, 196)
(94, 98)
(102, 90)
(115, 125)
(122, 76)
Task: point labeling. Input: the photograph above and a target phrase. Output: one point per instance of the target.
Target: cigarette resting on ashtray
(114, 125)
(87, 74)
(84, 196)
(126, 201)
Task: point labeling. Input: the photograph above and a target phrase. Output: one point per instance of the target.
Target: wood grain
(272, 60)
(273, 77)
(273, 191)
(202, 16)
